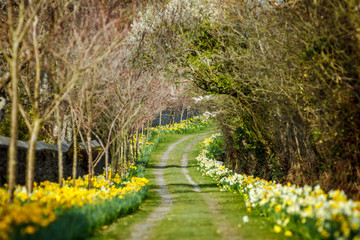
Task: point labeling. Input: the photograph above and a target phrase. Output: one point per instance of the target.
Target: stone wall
(46, 163)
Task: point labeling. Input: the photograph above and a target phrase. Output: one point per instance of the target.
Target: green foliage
(286, 82)
(216, 149)
(233, 206)
(255, 157)
(23, 131)
(210, 68)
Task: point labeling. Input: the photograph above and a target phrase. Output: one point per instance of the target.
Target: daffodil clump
(74, 211)
(186, 126)
(48, 201)
(157, 133)
(309, 211)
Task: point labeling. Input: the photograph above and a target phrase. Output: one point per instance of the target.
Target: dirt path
(142, 230)
(223, 226)
(184, 163)
(183, 204)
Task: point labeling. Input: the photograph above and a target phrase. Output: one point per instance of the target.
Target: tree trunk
(30, 157)
(107, 164)
(60, 153)
(116, 165)
(90, 158)
(115, 157)
(142, 136)
(123, 154)
(115, 160)
(137, 143)
(31, 153)
(181, 114)
(12, 154)
(148, 131)
(74, 149)
(128, 158)
(133, 148)
(74, 168)
(88, 137)
(172, 121)
(160, 119)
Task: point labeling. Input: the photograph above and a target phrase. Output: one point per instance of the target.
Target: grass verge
(188, 219)
(232, 206)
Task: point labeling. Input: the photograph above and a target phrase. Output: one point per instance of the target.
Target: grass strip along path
(183, 204)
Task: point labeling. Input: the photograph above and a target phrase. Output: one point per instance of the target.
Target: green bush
(285, 83)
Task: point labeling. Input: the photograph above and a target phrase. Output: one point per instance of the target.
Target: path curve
(143, 229)
(223, 226)
(184, 163)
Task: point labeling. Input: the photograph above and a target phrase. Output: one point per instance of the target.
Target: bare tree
(20, 18)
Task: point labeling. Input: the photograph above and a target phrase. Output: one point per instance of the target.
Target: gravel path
(143, 229)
